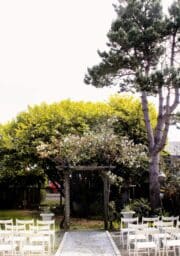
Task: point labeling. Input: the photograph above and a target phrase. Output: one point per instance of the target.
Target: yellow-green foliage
(41, 122)
(130, 119)
(130, 108)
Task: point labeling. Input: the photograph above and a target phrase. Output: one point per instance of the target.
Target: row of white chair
(27, 236)
(162, 218)
(152, 234)
(151, 221)
(144, 239)
(26, 223)
(20, 243)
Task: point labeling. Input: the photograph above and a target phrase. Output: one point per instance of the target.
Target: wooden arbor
(102, 170)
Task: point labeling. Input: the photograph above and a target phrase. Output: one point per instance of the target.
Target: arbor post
(67, 200)
(106, 200)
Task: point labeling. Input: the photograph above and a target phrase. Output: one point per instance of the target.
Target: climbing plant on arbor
(101, 147)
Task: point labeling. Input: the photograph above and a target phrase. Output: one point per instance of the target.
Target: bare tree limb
(147, 120)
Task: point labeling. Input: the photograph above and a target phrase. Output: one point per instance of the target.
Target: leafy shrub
(141, 206)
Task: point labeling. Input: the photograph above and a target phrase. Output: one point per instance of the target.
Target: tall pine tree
(143, 57)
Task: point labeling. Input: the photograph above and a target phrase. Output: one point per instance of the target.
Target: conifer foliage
(143, 57)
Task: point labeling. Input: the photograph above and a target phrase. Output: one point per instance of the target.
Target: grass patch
(76, 223)
(18, 214)
(80, 224)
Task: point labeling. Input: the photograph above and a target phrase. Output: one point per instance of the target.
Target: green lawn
(76, 223)
(19, 214)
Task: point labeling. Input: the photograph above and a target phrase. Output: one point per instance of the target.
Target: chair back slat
(24, 223)
(5, 223)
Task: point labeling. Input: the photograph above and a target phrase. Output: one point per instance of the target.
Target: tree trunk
(67, 200)
(106, 201)
(154, 151)
(154, 186)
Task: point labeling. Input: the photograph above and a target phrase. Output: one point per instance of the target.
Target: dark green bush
(141, 206)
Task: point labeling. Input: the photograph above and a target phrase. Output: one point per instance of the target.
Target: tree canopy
(45, 123)
(143, 57)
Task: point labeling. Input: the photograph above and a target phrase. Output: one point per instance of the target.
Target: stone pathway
(87, 243)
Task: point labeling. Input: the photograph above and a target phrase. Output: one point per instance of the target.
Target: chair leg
(122, 240)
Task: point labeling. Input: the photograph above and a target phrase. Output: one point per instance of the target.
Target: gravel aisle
(87, 243)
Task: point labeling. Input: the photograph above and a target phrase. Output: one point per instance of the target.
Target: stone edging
(116, 250)
(59, 250)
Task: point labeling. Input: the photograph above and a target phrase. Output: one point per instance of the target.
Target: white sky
(45, 49)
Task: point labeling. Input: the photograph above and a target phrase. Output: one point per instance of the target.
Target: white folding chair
(7, 249)
(170, 218)
(136, 233)
(19, 241)
(163, 224)
(31, 249)
(125, 229)
(25, 223)
(6, 224)
(158, 237)
(150, 220)
(6, 230)
(142, 245)
(47, 227)
(23, 228)
(40, 239)
(7, 245)
(171, 245)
